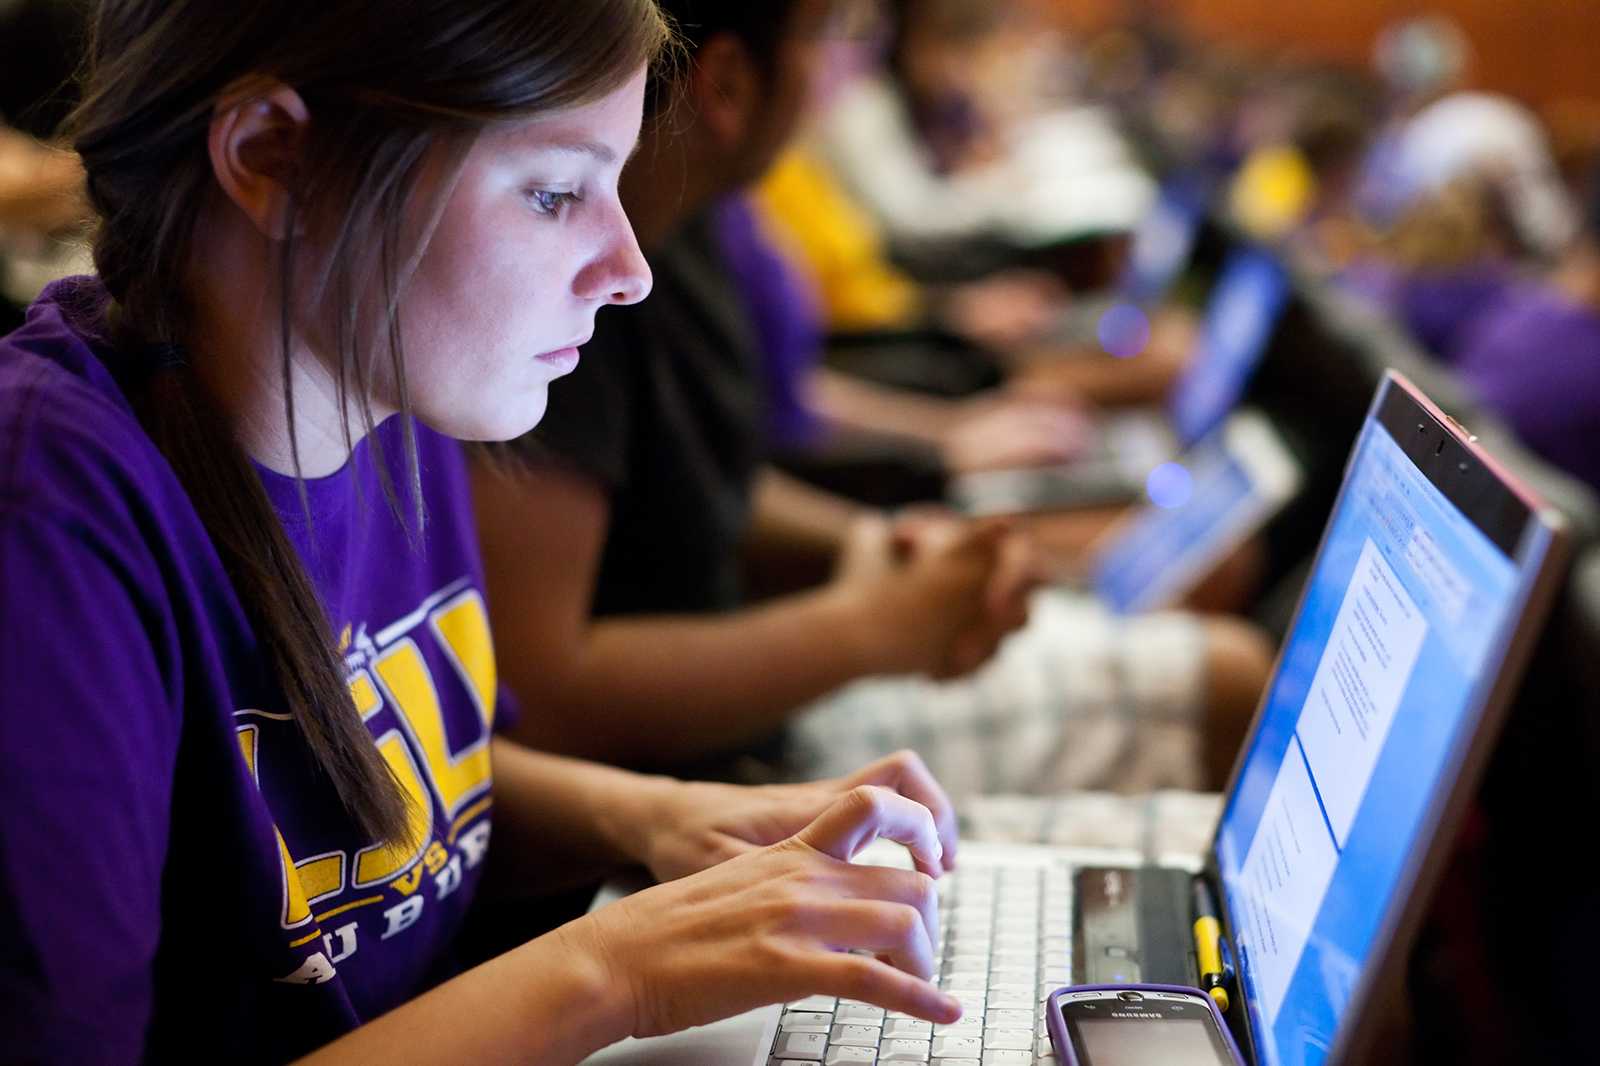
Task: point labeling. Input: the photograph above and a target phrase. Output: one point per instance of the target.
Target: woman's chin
(505, 422)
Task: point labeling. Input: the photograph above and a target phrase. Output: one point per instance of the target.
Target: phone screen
(1169, 1041)
(1134, 1029)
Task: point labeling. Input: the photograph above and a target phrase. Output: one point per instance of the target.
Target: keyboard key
(1007, 1057)
(971, 999)
(903, 1051)
(956, 1062)
(1008, 981)
(857, 1035)
(965, 982)
(1011, 960)
(907, 1028)
(1012, 1000)
(813, 1003)
(970, 1027)
(798, 1021)
(1009, 1019)
(1013, 965)
(807, 1046)
(851, 1056)
(1010, 1039)
(858, 1014)
(957, 1047)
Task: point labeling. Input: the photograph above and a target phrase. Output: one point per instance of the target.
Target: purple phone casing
(1058, 1023)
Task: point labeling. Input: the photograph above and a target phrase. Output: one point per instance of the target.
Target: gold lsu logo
(387, 669)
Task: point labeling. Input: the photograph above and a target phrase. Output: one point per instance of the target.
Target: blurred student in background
(639, 646)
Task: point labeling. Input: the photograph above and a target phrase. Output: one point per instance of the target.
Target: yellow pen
(1207, 945)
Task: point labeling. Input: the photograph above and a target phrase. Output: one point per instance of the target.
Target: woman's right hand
(787, 921)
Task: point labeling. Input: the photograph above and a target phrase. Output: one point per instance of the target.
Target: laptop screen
(1399, 628)
(1240, 316)
(1199, 509)
(1162, 244)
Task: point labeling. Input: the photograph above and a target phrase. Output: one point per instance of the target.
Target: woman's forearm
(550, 1001)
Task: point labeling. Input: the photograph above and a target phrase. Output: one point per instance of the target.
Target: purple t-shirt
(1533, 358)
(175, 875)
(1436, 307)
(786, 316)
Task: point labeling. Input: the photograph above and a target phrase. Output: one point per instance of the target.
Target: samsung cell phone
(1139, 1025)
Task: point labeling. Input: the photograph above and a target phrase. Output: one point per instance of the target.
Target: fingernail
(952, 1007)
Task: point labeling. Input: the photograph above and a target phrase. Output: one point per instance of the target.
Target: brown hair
(389, 87)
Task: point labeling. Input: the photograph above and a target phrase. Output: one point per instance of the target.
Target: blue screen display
(1162, 243)
(1379, 681)
(1138, 570)
(1244, 307)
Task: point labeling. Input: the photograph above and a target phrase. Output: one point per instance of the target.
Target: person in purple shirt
(787, 318)
(1532, 355)
(1434, 306)
(248, 752)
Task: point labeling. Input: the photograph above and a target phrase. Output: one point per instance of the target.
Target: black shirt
(665, 412)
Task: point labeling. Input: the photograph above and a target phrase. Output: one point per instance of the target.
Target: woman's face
(530, 244)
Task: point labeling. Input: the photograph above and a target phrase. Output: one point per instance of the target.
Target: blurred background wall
(1543, 51)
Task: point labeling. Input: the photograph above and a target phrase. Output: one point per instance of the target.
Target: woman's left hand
(692, 826)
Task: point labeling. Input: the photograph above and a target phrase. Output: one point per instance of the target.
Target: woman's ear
(727, 89)
(257, 133)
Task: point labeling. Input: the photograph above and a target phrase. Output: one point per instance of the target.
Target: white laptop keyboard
(1006, 944)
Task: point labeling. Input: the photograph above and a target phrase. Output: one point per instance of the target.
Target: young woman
(248, 758)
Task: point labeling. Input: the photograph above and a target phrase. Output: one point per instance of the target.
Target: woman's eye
(551, 203)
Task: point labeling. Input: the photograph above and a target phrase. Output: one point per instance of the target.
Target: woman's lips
(563, 359)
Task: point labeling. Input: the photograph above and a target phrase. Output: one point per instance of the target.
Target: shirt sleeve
(88, 743)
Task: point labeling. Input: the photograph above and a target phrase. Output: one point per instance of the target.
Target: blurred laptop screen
(1239, 320)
